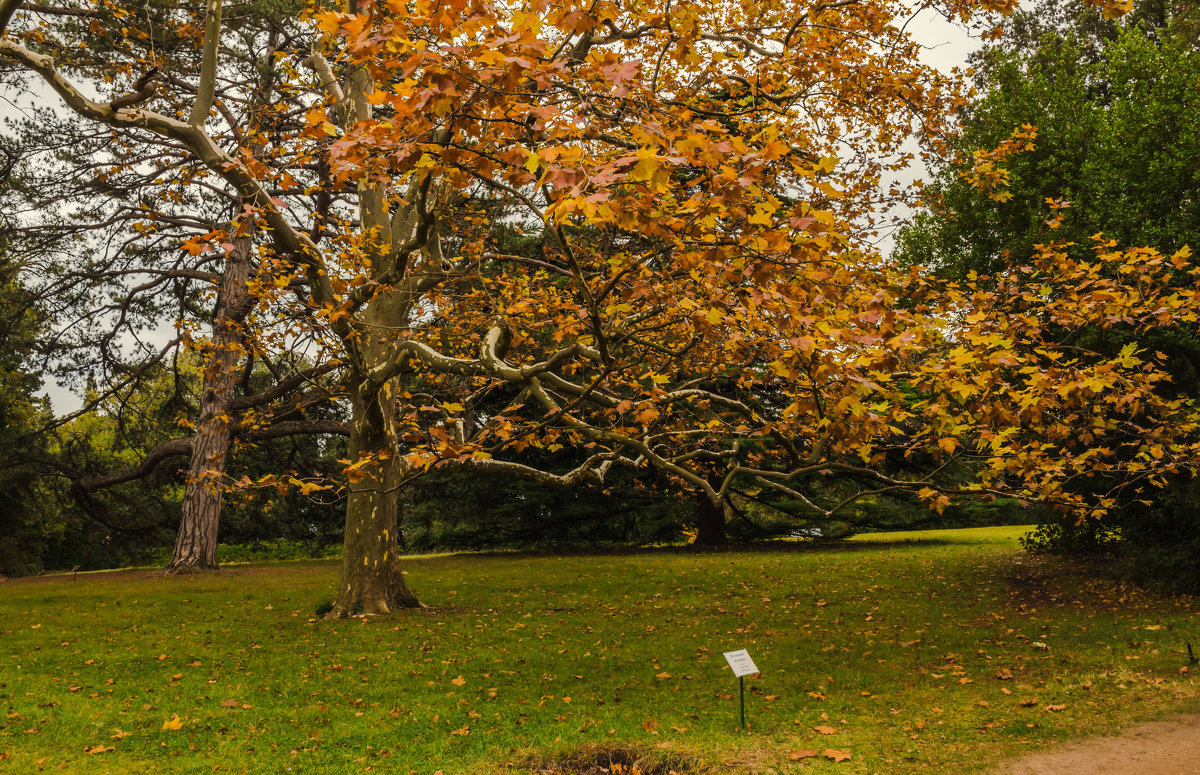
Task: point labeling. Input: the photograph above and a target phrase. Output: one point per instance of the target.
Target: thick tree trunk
(710, 522)
(372, 582)
(196, 541)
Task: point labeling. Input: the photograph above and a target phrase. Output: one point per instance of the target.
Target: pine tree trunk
(196, 541)
(710, 522)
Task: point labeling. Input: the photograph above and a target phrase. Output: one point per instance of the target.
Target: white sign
(741, 662)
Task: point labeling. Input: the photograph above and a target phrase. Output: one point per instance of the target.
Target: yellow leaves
(317, 123)
(837, 756)
(98, 749)
(173, 724)
(527, 23)
(802, 754)
(1112, 9)
(825, 730)
(308, 488)
(460, 681)
(648, 168)
(764, 215)
(986, 175)
(533, 162)
(1182, 258)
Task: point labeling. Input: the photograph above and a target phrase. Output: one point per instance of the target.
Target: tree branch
(208, 65)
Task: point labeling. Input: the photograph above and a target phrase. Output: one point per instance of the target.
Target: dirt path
(1157, 748)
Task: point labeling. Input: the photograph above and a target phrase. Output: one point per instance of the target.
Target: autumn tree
(701, 181)
(1116, 117)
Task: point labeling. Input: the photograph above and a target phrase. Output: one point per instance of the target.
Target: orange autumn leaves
(701, 274)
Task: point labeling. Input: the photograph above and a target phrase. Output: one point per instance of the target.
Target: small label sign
(741, 662)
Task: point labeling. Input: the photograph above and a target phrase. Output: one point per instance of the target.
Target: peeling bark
(372, 582)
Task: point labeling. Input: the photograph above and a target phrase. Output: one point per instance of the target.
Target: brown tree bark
(710, 522)
(196, 541)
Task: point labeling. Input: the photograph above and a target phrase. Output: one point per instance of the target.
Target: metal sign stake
(742, 701)
(742, 666)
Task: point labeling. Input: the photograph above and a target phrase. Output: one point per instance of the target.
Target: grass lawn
(917, 652)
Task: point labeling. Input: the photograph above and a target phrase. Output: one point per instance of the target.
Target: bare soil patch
(1156, 748)
(608, 759)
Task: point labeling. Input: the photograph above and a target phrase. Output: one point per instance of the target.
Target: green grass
(894, 641)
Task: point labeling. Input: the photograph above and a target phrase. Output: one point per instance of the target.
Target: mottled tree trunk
(372, 582)
(196, 541)
(710, 522)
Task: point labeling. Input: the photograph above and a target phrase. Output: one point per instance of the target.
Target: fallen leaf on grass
(463, 731)
(650, 725)
(1004, 674)
(837, 756)
(825, 730)
(1027, 703)
(118, 734)
(661, 676)
(173, 724)
(229, 703)
(99, 749)
(1055, 708)
(460, 681)
(802, 754)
